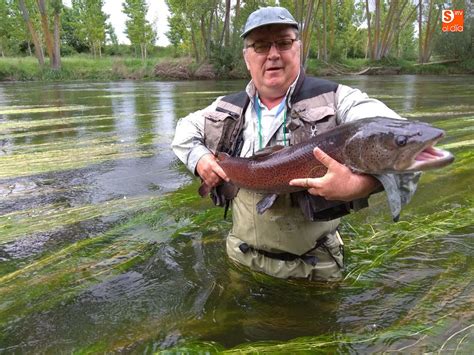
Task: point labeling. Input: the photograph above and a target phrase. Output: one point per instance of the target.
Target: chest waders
(297, 236)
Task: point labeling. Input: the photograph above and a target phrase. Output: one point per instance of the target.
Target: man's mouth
(272, 69)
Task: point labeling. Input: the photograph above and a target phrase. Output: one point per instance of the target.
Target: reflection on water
(99, 251)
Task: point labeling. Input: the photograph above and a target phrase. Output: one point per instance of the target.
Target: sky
(157, 13)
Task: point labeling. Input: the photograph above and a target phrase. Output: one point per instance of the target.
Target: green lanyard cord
(258, 110)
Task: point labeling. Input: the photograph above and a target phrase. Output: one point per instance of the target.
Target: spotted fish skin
(272, 173)
(374, 146)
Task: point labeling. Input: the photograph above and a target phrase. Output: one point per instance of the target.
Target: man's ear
(245, 59)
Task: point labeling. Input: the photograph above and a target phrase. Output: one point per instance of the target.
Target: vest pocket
(218, 128)
(319, 118)
(308, 122)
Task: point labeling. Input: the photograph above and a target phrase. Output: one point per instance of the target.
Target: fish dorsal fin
(267, 151)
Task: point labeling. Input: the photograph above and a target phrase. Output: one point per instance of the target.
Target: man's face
(272, 72)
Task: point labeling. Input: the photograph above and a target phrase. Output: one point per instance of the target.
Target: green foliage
(196, 29)
(89, 23)
(71, 36)
(226, 60)
(123, 50)
(406, 46)
(458, 45)
(5, 26)
(110, 34)
(138, 29)
(14, 37)
(348, 39)
(177, 34)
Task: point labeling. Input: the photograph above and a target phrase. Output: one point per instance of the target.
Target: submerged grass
(66, 157)
(183, 213)
(380, 245)
(440, 321)
(77, 267)
(56, 277)
(12, 126)
(16, 110)
(413, 338)
(50, 218)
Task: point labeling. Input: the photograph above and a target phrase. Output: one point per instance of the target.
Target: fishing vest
(311, 111)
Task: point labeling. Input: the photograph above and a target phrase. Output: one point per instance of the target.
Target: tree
(138, 28)
(177, 34)
(71, 35)
(227, 24)
(304, 13)
(348, 38)
(90, 23)
(385, 25)
(427, 24)
(197, 17)
(52, 40)
(32, 31)
(6, 26)
(14, 33)
(209, 28)
(47, 36)
(111, 35)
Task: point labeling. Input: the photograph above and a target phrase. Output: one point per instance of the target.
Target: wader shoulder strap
(308, 87)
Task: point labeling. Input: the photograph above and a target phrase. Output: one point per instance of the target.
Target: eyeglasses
(264, 47)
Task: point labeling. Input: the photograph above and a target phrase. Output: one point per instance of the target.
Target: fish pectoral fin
(266, 202)
(228, 190)
(204, 189)
(267, 151)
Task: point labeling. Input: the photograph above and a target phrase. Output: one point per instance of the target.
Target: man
(297, 237)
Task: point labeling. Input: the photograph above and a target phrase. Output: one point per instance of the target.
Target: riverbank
(121, 68)
(77, 68)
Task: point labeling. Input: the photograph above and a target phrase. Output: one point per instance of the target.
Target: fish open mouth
(430, 158)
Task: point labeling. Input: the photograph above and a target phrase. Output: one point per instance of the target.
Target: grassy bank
(77, 68)
(120, 68)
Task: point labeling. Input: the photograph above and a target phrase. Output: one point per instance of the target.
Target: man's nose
(273, 52)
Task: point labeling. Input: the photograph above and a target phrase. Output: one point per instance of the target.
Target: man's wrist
(369, 185)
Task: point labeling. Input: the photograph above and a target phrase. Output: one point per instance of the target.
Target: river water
(105, 246)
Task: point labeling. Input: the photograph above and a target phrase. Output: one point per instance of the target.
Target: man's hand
(339, 183)
(208, 169)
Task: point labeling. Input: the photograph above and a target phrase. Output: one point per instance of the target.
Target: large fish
(373, 146)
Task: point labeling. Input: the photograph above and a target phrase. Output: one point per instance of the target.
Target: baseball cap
(268, 16)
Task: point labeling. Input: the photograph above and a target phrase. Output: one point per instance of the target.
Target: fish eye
(401, 141)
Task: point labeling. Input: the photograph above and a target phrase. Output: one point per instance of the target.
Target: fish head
(384, 145)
